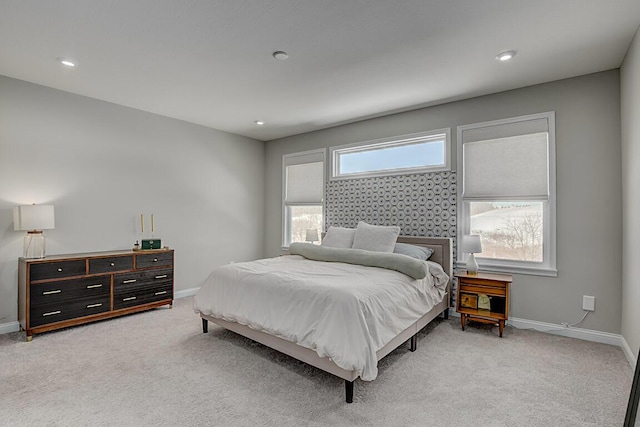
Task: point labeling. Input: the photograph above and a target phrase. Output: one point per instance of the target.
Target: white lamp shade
(33, 217)
(312, 235)
(471, 244)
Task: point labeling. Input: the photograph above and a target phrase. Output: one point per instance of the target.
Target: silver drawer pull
(94, 305)
(51, 313)
(164, 276)
(57, 291)
(129, 281)
(128, 299)
(155, 260)
(161, 293)
(60, 270)
(113, 264)
(94, 286)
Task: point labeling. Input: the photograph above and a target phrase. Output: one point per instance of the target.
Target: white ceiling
(209, 61)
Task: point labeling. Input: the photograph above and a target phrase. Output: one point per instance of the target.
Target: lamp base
(34, 244)
(472, 265)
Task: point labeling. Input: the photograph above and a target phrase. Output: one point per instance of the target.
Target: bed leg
(414, 343)
(445, 314)
(348, 387)
(205, 326)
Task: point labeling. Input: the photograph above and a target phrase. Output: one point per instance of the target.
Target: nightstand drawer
(156, 259)
(53, 292)
(57, 269)
(489, 290)
(111, 264)
(482, 282)
(51, 313)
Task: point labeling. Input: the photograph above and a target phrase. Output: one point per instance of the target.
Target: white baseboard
(579, 333)
(185, 293)
(5, 328)
(628, 353)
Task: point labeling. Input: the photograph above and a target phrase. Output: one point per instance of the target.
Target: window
(507, 193)
(303, 194)
(416, 153)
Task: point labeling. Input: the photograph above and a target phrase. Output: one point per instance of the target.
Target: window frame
(336, 151)
(548, 266)
(286, 220)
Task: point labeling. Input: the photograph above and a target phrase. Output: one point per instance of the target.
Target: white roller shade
(507, 168)
(305, 183)
(504, 130)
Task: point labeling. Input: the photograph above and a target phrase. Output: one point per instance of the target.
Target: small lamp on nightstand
(312, 235)
(471, 244)
(34, 219)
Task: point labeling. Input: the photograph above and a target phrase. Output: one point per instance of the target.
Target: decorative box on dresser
(66, 290)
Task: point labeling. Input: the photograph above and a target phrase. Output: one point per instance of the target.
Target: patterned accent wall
(420, 204)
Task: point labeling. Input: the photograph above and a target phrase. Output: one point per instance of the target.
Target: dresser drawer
(143, 287)
(53, 292)
(57, 269)
(110, 264)
(143, 295)
(157, 259)
(149, 278)
(66, 310)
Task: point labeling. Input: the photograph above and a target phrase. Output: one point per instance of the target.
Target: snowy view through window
(509, 230)
(302, 218)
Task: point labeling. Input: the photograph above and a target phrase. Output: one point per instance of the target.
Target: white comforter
(342, 311)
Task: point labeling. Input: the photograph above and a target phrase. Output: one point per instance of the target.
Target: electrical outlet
(588, 303)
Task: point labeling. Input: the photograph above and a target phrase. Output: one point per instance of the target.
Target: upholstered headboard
(442, 250)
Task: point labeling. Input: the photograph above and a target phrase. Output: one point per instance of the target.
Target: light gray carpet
(158, 369)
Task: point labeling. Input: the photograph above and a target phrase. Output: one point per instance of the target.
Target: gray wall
(630, 89)
(101, 165)
(588, 187)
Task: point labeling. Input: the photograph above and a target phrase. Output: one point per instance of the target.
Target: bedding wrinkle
(342, 311)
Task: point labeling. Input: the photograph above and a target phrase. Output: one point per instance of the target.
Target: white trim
(578, 333)
(335, 151)
(556, 329)
(8, 327)
(631, 357)
(185, 293)
(509, 269)
(285, 163)
(549, 265)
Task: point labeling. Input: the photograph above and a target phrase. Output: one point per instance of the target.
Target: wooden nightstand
(483, 297)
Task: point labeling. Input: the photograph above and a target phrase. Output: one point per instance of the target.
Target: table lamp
(34, 219)
(471, 244)
(312, 235)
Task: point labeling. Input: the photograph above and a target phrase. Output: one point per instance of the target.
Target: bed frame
(442, 255)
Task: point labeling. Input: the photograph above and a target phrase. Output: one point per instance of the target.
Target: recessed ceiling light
(505, 56)
(280, 55)
(259, 122)
(67, 62)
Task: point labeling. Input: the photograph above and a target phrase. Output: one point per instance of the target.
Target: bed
(312, 345)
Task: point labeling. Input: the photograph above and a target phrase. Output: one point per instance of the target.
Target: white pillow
(339, 237)
(375, 237)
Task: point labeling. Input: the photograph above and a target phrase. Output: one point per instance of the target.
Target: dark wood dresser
(65, 290)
